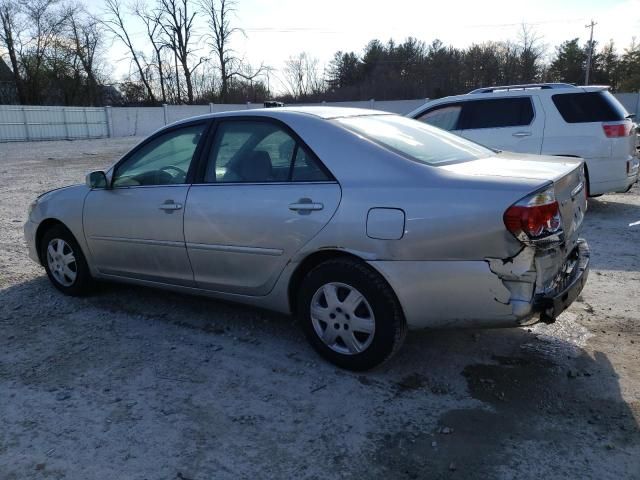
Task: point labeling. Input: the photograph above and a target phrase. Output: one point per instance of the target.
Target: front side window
(415, 140)
(165, 160)
(497, 113)
(444, 116)
(259, 152)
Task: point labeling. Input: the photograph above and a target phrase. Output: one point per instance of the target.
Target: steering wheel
(181, 173)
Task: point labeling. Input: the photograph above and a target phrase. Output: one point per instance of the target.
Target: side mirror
(97, 180)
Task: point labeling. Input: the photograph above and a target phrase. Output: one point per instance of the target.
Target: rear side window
(496, 113)
(589, 107)
(305, 168)
(443, 116)
(250, 151)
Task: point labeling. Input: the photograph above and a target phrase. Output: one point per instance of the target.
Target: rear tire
(64, 262)
(350, 314)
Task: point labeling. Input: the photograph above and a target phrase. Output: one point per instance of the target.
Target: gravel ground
(134, 383)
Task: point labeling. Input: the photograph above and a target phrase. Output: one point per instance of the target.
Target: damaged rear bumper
(512, 292)
(567, 285)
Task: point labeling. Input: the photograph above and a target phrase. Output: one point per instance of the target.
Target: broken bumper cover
(461, 294)
(568, 285)
(452, 294)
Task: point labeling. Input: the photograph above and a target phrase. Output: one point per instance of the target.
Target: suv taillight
(535, 217)
(617, 130)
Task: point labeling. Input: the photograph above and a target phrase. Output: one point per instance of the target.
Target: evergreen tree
(569, 64)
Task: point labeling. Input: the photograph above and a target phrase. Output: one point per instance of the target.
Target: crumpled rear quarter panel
(449, 294)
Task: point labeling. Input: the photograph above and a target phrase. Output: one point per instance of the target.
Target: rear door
(509, 123)
(262, 195)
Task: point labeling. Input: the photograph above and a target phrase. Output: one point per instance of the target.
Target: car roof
(510, 91)
(288, 113)
(327, 113)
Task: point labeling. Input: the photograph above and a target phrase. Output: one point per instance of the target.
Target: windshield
(415, 140)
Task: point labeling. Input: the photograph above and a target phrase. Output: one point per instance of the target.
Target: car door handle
(305, 205)
(522, 134)
(170, 206)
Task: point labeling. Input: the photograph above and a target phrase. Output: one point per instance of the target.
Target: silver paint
(244, 242)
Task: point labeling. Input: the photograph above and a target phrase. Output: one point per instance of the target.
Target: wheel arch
(586, 177)
(44, 226)
(586, 168)
(316, 258)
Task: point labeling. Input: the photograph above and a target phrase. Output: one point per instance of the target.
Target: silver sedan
(360, 223)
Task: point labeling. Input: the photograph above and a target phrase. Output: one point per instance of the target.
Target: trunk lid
(517, 165)
(571, 194)
(566, 173)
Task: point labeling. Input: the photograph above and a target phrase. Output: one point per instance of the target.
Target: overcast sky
(276, 29)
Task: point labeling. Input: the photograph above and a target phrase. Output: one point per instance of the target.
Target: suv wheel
(350, 315)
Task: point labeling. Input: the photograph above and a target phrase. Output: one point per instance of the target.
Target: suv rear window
(589, 107)
(495, 113)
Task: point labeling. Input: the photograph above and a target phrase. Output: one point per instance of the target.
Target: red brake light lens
(617, 130)
(534, 217)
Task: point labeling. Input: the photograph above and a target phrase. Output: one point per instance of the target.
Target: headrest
(256, 168)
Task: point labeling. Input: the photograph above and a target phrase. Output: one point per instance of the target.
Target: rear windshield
(589, 107)
(414, 139)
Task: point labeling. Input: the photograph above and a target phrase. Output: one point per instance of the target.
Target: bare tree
(45, 24)
(152, 20)
(302, 76)
(219, 13)
(205, 82)
(531, 52)
(113, 20)
(52, 50)
(86, 36)
(294, 72)
(177, 24)
(9, 34)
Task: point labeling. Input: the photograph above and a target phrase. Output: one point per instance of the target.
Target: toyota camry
(362, 224)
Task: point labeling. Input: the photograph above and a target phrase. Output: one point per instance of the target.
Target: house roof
(6, 75)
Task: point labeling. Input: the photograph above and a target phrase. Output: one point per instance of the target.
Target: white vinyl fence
(137, 121)
(18, 123)
(140, 121)
(631, 102)
(30, 123)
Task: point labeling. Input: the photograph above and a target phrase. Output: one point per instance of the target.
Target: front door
(264, 195)
(135, 227)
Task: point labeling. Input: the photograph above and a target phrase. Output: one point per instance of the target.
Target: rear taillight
(616, 130)
(535, 217)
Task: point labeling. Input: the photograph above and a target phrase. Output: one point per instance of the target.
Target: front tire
(350, 315)
(64, 262)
